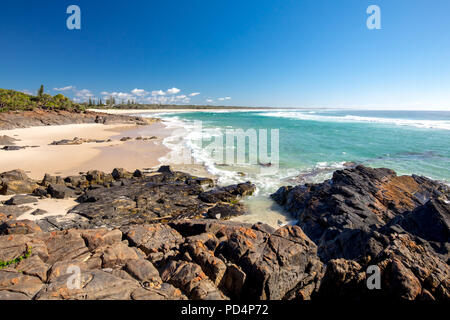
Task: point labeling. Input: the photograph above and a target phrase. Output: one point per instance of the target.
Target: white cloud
(173, 91)
(138, 95)
(119, 96)
(158, 93)
(223, 99)
(139, 92)
(209, 100)
(64, 88)
(83, 95)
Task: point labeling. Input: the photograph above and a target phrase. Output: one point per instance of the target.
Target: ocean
(314, 143)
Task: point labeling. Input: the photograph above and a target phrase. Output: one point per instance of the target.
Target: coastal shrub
(11, 100)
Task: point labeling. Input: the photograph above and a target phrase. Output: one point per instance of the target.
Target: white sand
(68, 160)
(54, 207)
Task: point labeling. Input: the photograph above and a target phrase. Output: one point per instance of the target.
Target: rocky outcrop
(122, 198)
(163, 235)
(38, 117)
(76, 141)
(371, 217)
(202, 259)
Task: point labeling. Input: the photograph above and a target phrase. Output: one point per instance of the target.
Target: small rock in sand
(20, 199)
(39, 212)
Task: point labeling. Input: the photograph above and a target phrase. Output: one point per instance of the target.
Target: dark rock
(165, 169)
(75, 141)
(430, 221)
(39, 212)
(228, 194)
(138, 174)
(20, 199)
(225, 211)
(372, 217)
(120, 173)
(12, 148)
(40, 192)
(49, 179)
(152, 198)
(351, 204)
(60, 191)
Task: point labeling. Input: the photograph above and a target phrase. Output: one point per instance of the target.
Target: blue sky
(300, 53)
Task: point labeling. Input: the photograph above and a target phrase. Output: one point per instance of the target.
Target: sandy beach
(40, 157)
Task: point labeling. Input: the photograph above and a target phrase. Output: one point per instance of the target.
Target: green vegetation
(27, 254)
(11, 100)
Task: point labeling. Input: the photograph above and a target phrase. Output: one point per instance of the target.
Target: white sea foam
(429, 124)
(187, 138)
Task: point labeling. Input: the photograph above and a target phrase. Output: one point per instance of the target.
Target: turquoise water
(314, 143)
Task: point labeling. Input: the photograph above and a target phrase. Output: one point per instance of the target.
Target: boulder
(58, 191)
(19, 227)
(94, 285)
(19, 283)
(120, 173)
(16, 181)
(143, 271)
(20, 199)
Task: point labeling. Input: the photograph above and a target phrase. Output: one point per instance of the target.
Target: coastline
(139, 111)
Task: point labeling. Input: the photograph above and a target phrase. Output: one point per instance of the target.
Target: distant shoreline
(136, 111)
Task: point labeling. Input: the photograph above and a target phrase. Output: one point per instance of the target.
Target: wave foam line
(427, 124)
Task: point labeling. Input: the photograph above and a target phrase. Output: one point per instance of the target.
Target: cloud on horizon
(137, 95)
(64, 88)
